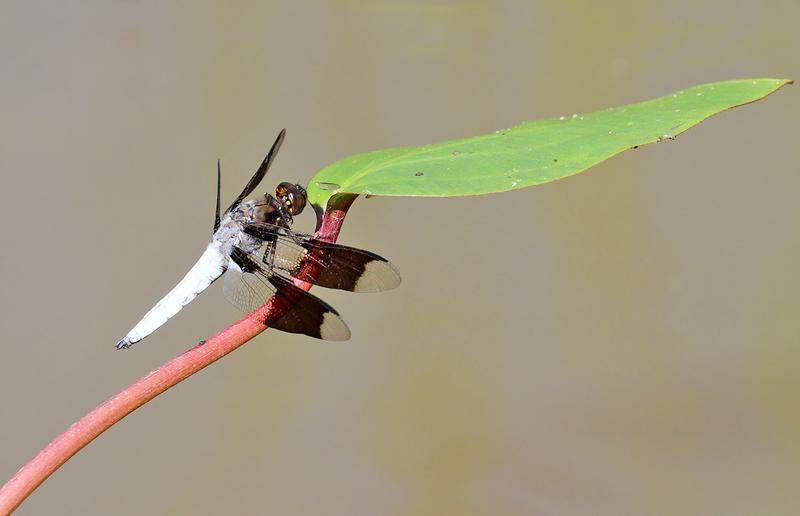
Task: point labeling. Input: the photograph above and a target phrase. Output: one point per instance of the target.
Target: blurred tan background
(621, 342)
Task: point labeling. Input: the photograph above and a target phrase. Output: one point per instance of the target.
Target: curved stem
(27, 479)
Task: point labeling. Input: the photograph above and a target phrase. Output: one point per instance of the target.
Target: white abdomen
(208, 268)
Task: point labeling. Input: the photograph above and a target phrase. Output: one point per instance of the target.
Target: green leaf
(532, 152)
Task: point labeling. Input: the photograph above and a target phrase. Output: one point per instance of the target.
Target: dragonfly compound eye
(293, 196)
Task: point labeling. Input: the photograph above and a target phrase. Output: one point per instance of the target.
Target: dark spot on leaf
(635, 146)
(555, 160)
(419, 174)
(368, 196)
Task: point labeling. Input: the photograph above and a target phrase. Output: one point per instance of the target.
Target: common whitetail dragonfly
(254, 246)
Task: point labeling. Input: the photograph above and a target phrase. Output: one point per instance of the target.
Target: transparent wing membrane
(250, 286)
(330, 265)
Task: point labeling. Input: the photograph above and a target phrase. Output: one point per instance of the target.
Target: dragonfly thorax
(268, 211)
(261, 212)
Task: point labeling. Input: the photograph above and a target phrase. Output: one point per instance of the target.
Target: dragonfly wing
(260, 172)
(249, 285)
(337, 266)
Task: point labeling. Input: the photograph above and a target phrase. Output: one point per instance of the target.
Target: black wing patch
(260, 173)
(219, 185)
(248, 286)
(337, 266)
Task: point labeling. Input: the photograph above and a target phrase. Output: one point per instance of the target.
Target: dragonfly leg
(291, 234)
(286, 224)
(269, 254)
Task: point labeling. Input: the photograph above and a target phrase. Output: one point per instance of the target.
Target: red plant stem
(59, 451)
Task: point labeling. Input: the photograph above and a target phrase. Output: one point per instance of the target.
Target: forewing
(333, 265)
(260, 173)
(217, 218)
(249, 286)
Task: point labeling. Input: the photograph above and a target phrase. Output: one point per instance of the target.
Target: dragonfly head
(292, 196)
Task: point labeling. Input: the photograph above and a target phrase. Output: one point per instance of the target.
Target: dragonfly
(262, 259)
